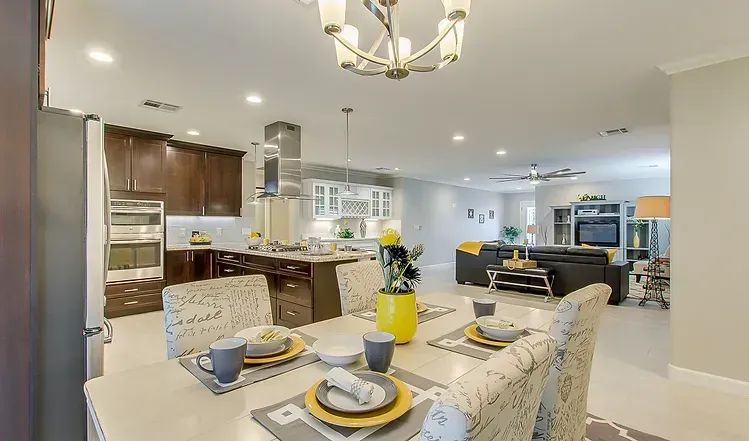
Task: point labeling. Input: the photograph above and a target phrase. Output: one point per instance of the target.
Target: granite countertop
(238, 247)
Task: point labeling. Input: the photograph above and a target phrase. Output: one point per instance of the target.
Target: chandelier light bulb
(332, 14)
(404, 48)
(345, 56)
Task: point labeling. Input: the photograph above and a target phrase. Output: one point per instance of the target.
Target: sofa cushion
(569, 258)
(580, 251)
(549, 249)
(512, 247)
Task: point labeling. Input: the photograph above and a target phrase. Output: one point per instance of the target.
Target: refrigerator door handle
(90, 332)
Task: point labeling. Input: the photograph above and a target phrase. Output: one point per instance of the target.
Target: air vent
(158, 105)
(613, 132)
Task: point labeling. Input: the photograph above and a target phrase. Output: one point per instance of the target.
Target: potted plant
(345, 232)
(510, 233)
(396, 301)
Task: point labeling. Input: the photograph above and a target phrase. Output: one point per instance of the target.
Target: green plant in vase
(345, 232)
(510, 233)
(396, 301)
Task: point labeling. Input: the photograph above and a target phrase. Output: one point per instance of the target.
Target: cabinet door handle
(128, 183)
(228, 256)
(134, 302)
(292, 267)
(228, 270)
(291, 285)
(131, 290)
(203, 210)
(293, 314)
(135, 185)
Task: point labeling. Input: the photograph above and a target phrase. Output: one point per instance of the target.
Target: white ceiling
(538, 78)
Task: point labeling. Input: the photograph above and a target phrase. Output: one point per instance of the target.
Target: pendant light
(347, 189)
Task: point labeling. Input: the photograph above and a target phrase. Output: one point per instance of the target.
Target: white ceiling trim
(704, 60)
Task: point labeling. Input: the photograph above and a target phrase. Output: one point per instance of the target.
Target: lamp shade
(653, 207)
(532, 229)
(350, 34)
(450, 46)
(457, 5)
(404, 48)
(332, 13)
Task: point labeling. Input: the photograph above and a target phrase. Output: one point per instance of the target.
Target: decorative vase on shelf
(363, 229)
(564, 238)
(396, 314)
(636, 240)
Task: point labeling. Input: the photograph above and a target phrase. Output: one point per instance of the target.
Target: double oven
(137, 241)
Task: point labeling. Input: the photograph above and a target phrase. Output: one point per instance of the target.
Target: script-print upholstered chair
(358, 283)
(563, 410)
(498, 400)
(197, 314)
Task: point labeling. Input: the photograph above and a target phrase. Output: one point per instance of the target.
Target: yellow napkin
(473, 247)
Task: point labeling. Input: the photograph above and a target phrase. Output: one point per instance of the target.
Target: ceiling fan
(535, 178)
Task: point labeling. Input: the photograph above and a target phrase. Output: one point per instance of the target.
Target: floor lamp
(653, 208)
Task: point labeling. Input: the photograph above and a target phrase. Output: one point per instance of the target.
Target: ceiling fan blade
(565, 175)
(561, 170)
(512, 175)
(507, 179)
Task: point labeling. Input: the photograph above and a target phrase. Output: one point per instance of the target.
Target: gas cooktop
(278, 248)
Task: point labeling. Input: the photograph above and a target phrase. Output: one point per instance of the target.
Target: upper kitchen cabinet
(369, 202)
(135, 159)
(203, 180)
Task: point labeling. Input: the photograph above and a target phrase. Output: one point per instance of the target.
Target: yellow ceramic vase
(636, 240)
(396, 314)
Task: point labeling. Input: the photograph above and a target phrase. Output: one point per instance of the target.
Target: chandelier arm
(373, 48)
(359, 52)
(372, 7)
(365, 72)
(437, 40)
(394, 31)
(432, 68)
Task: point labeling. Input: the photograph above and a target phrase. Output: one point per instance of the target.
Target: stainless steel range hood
(283, 162)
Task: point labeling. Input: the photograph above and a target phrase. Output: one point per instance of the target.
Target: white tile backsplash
(231, 228)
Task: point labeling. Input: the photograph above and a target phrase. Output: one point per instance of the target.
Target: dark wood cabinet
(203, 180)
(185, 181)
(135, 159)
(133, 298)
(223, 185)
(187, 266)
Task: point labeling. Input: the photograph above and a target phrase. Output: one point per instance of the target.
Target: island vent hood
(282, 160)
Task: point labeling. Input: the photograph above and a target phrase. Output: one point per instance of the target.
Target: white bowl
(339, 350)
(254, 348)
(253, 242)
(488, 325)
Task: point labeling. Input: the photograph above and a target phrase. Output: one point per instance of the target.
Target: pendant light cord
(347, 111)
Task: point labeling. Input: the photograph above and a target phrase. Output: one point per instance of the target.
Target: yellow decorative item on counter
(333, 246)
(396, 314)
(515, 255)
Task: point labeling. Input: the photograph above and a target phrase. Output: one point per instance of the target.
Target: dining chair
(563, 411)
(198, 313)
(498, 400)
(358, 284)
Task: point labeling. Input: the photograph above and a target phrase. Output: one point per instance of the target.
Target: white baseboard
(437, 265)
(710, 381)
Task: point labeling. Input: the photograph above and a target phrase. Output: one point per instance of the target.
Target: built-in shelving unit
(603, 210)
(562, 234)
(632, 253)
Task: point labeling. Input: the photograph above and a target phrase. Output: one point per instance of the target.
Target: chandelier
(401, 60)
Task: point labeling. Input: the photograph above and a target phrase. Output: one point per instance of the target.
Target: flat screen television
(602, 234)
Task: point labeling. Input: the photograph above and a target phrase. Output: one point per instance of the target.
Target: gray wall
(709, 138)
(442, 213)
(511, 210)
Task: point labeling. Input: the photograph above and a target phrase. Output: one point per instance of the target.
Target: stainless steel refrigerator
(72, 225)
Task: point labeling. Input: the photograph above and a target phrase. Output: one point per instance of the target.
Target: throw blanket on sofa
(473, 247)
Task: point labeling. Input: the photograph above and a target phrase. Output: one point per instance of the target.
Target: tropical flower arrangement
(345, 232)
(398, 263)
(510, 233)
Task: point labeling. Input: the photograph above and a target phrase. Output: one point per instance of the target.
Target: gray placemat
(432, 312)
(254, 373)
(456, 341)
(290, 421)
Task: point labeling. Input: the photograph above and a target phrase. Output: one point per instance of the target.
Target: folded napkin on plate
(343, 379)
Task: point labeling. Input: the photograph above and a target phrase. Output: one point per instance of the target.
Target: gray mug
(379, 348)
(227, 359)
(484, 307)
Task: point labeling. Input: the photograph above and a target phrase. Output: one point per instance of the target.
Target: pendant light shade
(344, 55)
(456, 6)
(404, 48)
(347, 189)
(450, 46)
(332, 13)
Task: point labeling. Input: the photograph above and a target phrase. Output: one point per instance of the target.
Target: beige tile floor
(628, 383)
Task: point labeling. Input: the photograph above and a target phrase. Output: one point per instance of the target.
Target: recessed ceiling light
(519, 188)
(466, 179)
(76, 111)
(458, 138)
(101, 56)
(193, 132)
(349, 160)
(254, 99)
(574, 178)
(501, 152)
(396, 169)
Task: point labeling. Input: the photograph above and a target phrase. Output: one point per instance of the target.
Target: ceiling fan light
(344, 55)
(534, 181)
(449, 47)
(452, 6)
(404, 48)
(332, 13)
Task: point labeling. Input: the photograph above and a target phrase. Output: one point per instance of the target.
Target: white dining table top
(165, 402)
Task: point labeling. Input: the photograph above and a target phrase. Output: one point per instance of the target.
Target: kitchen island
(303, 287)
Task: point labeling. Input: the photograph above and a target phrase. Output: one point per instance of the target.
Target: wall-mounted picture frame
(470, 213)
(491, 214)
(481, 218)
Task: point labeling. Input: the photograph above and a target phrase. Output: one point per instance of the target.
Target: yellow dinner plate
(420, 307)
(473, 333)
(393, 411)
(296, 348)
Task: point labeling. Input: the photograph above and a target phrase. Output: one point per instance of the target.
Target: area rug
(600, 429)
(637, 290)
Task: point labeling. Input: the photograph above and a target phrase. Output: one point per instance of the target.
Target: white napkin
(343, 379)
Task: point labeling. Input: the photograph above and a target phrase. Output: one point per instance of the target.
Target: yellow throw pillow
(611, 252)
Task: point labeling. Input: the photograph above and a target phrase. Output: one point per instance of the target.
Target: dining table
(165, 402)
